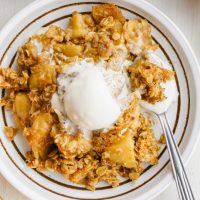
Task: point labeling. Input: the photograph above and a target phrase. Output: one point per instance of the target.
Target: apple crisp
(119, 150)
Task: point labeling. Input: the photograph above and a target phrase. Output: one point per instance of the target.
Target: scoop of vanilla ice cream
(88, 102)
(170, 91)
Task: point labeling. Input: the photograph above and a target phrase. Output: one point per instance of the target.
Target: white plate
(183, 115)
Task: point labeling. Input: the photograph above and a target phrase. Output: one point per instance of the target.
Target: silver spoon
(180, 176)
(160, 108)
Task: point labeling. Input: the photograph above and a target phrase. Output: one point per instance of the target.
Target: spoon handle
(180, 176)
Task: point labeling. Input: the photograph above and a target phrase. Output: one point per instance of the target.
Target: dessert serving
(79, 96)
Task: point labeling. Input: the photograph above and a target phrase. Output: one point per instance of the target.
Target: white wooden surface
(186, 14)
